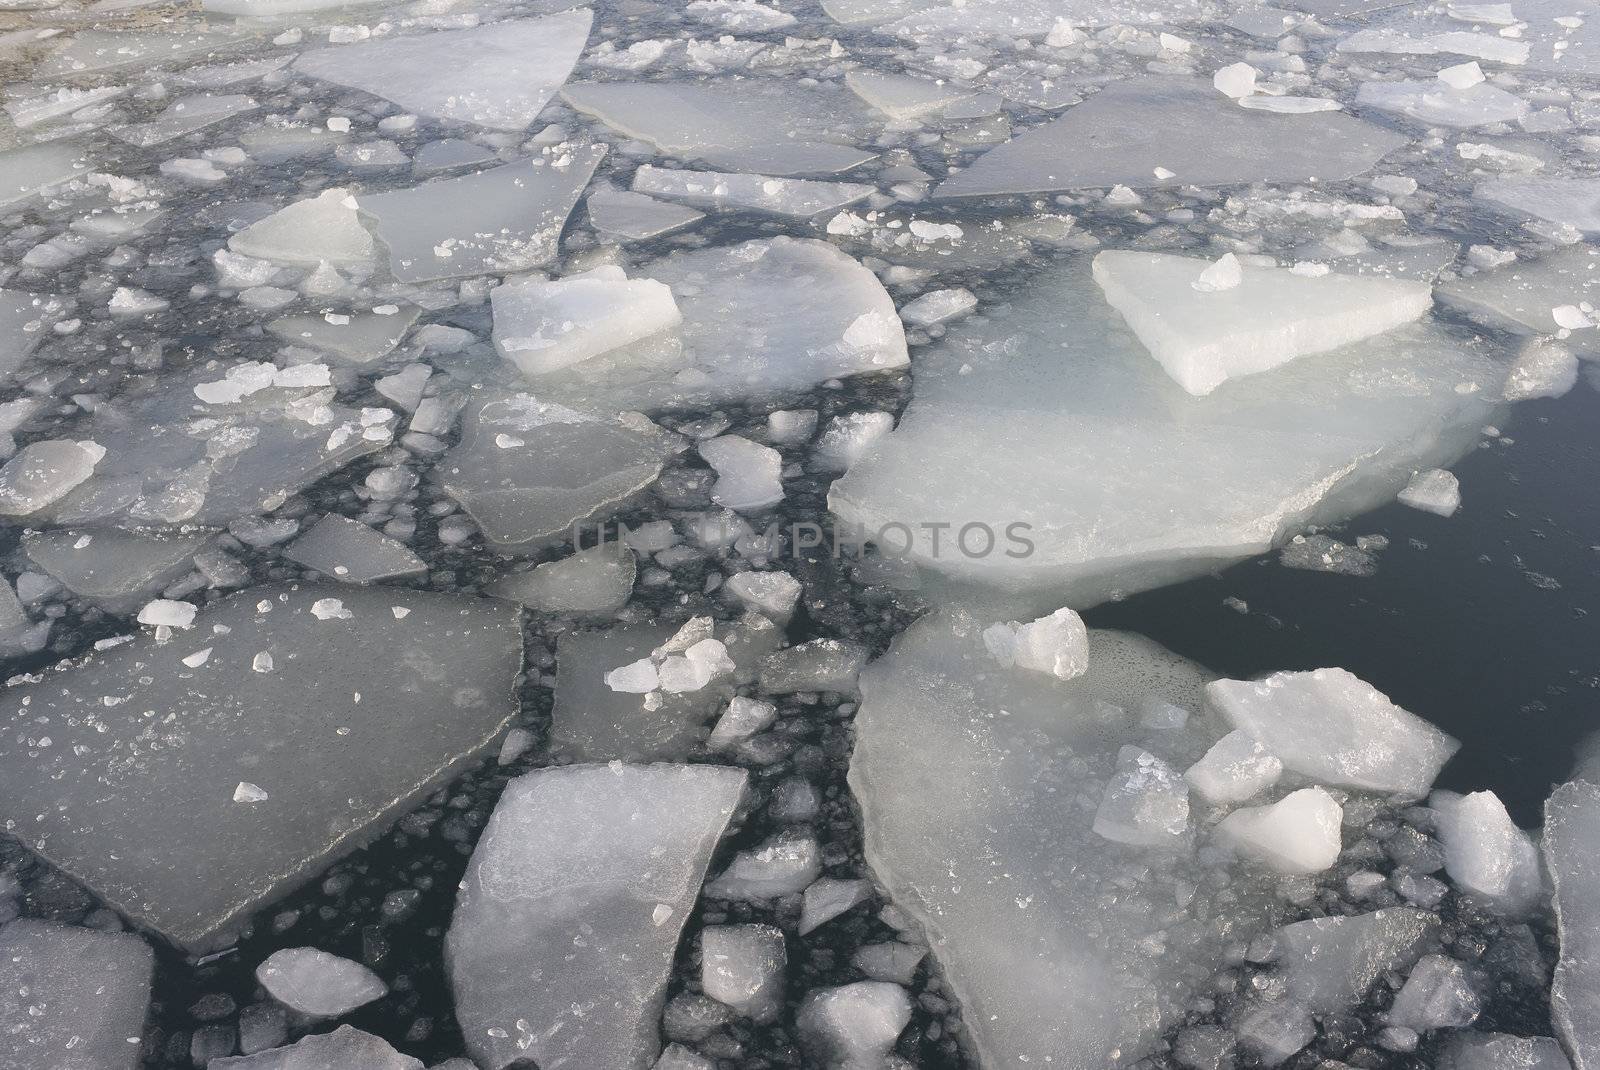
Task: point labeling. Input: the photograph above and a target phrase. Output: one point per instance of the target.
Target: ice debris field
(799, 535)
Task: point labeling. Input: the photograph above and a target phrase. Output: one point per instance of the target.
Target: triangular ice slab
(309, 232)
(1185, 130)
(497, 221)
(498, 76)
(1203, 338)
(569, 914)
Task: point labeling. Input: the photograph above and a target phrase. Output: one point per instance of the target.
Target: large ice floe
(1076, 464)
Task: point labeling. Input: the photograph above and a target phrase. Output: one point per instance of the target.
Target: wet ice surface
(414, 662)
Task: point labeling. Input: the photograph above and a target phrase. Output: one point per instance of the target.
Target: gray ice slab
(72, 999)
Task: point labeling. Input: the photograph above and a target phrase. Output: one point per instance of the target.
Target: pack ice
(1053, 430)
(567, 921)
(252, 745)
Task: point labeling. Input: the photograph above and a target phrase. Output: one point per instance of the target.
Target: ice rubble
(361, 339)
(732, 125)
(72, 999)
(76, 755)
(1572, 852)
(1206, 336)
(498, 75)
(581, 870)
(1095, 473)
(528, 471)
(1331, 725)
(1158, 131)
(501, 220)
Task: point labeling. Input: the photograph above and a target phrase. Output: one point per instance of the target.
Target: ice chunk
(1146, 804)
(117, 570)
(185, 116)
(1204, 337)
(22, 328)
(1572, 852)
(1057, 644)
(1236, 80)
(1439, 994)
(1236, 768)
(346, 1048)
(1542, 370)
(902, 97)
(361, 339)
(1330, 963)
(1101, 476)
(165, 613)
(338, 763)
(315, 983)
(1297, 834)
(1571, 201)
(635, 217)
(1525, 296)
(325, 228)
(72, 999)
(544, 326)
(348, 550)
(1044, 929)
(853, 1027)
(748, 473)
(1274, 1032)
(743, 718)
(586, 873)
(498, 221)
(91, 51)
(794, 198)
(847, 438)
(1333, 726)
(1433, 491)
(1438, 103)
(43, 473)
(1501, 1051)
(1185, 130)
(773, 594)
(527, 471)
(728, 124)
(815, 665)
(827, 898)
(743, 966)
(498, 76)
(939, 306)
(783, 865)
(32, 169)
(596, 581)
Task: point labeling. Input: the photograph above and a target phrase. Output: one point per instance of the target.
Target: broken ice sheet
(1572, 851)
(629, 216)
(502, 220)
(1434, 102)
(795, 198)
(359, 338)
(1095, 473)
(497, 76)
(767, 126)
(839, 322)
(1533, 296)
(1134, 132)
(72, 999)
(966, 778)
(92, 51)
(527, 471)
(338, 762)
(116, 570)
(349, 551)
(184, 116)
(585, 873)
(25, 172)
(1571, 201)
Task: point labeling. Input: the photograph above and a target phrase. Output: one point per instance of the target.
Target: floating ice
(743, 966)
(361, 339)
(1236, 768)
(91, 51)
(1330, 963)
(815, 665)
(587, 874)
(1482, 46)
(902, 97)
(1205, 332)
(1572, 853)
(184, 116)
(345, 1048)
(1185, 128)
(853, 1027)
(1501, 1051)
(21, 329)
(42, 473)
(321, 229)
(773, 594)
(1146, 803)
(796, 198)
(117, 570)
(498, 75)
(783, 865)
(1524, 296)
(847, 438)
(348, 550)
(1433, 491)
(72, 999)
(32, 169)
(743, 718)
(1336, 728)
(1542, 370)
(338, 763)
(498, 221)
(1439, 994)
(939, 306)
(1297, 834)
(315, 983)
(1438, 103)
(543, 326)
(634, 217)
(1571, 201)
(729, 124)
(827, 898)
(593, 582)
(748, 473)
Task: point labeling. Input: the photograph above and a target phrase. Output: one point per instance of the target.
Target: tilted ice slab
(1053, 416)
(497, 221)
(633, 216)
(527, 470)
(231, 736)
(796, 198)
(72, 999)
(1205, 338)
(761, 125)
(837, 320)
(499, 76)
(1525, 296)
(569, 915)
(1572, 852)
(1434, 102)
(1127, 132)
(1336, 728)
(977, 787)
